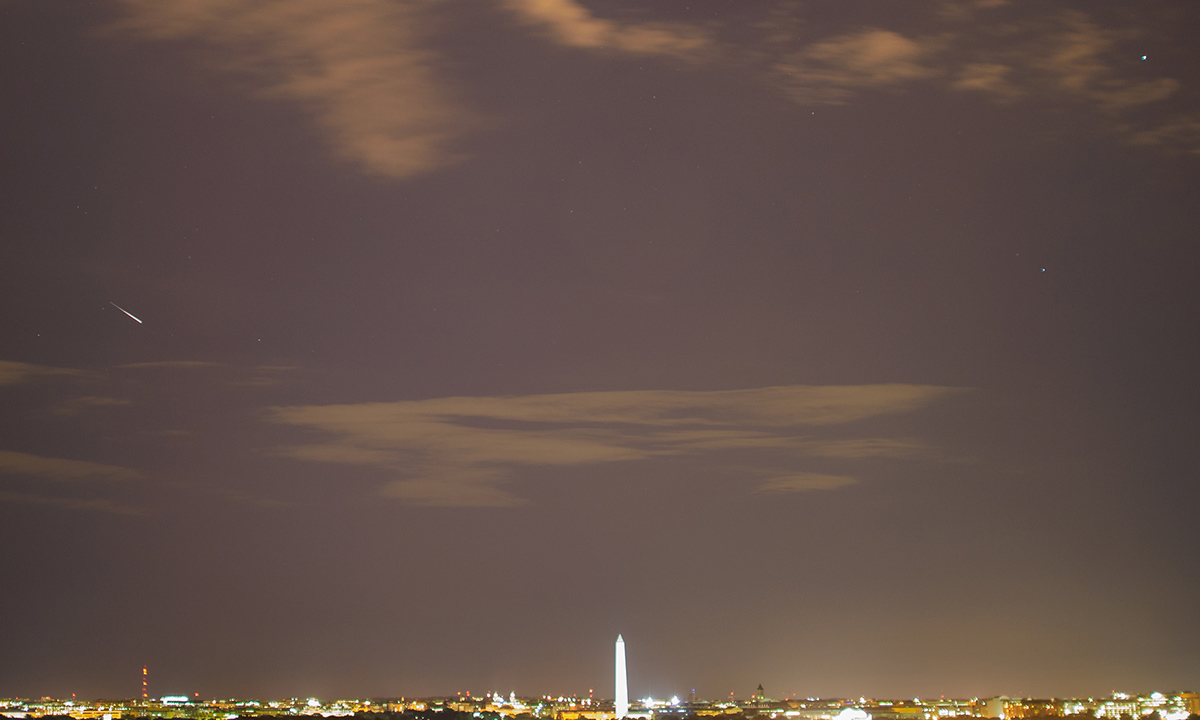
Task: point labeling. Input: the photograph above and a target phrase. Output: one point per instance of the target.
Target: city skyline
(408, 346)
(1119, 706)
(1101, 706)
(495, 705)
(620, 703)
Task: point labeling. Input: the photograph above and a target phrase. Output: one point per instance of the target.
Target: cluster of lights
(573, 707)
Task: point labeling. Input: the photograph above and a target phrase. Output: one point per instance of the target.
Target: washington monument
(622, 695)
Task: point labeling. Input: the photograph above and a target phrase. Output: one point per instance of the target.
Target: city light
(496, 706)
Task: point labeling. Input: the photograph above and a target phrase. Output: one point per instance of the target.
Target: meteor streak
(110, 302)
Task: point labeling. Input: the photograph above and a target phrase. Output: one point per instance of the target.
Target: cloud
(964, 9)
(60, 470)
(454, 486)
(1179, 132)
(1066, 57)
(358, 68)
(75, 405)
(254, 376)
(244, 499)
(13, 373)
(979, 46)
(173, 364)
(1058, 56)
(830, 71)
(19, 463)
(805, 482)
(864, 448)
(1007, 52)
(988, 78)
(100, 401)
(167, 433)
(368, 76)
(571, 24)
(460, 450)
(1079, 62)
(86, 504)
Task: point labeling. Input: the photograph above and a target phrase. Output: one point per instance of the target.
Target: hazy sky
(398, 347)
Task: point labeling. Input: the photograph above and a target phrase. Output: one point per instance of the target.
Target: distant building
(995, 707)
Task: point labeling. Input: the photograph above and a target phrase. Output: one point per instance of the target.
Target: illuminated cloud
(454, 486)
(368, 75)
(829, 71)
(266, 375)
(100, 401)
(1067, 57)
(13, 373)
(1063, 56)
(987, 78)
(255, 376)
(167, 433)
(863, 448)
(357, 67)
(805, 482)
(85, 504)
(19, 463)
(1080, 62)
(173, 364)
(460, 450)
(59, 470)
(984, 47)
(1180, 132)
(571, 24)
(76, 405)
(995, 49)
(966, 9)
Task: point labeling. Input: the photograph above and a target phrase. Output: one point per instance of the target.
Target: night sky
(406, 347)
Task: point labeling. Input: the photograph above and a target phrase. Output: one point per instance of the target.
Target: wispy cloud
(359, 68)
(370, 76)
(805, 482)
(1176, 132)
(19, 463)
(173, 364)
(1004, 51)
(461, 450)
(1067, 57)
(76, 405)
(254, 376)
(12, 373)
(1080, 62)
(267, 375)
(569, 23)
(84, 504)
(1052, 56)
(830, 71)
(986, 77)
(73, 482)
(963, 9)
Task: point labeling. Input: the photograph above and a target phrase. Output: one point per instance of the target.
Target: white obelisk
(622, 696)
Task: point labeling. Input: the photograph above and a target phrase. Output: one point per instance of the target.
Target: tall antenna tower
(145, 684)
